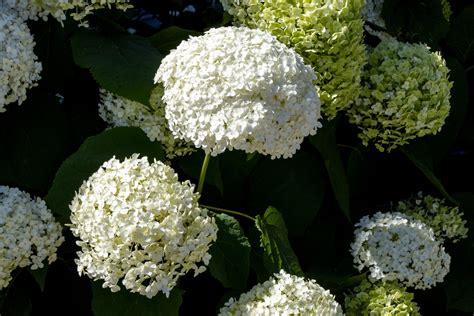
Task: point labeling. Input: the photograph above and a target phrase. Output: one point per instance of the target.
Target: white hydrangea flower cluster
(119, 111)
(395, 246)
(405, 94)
(372, 15)
(35, 9)
(138, 224)
(446, 221)
(284, 294)
(237, 88)
(19, 68)
(28, 233)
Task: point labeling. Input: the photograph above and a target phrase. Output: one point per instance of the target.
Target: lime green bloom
(328, 34)
(380, 299)
(446, 7)
(446, 221)
(405, 94)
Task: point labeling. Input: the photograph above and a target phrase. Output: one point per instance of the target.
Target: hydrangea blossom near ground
(284, 294)
(29, 233)
(139, 226)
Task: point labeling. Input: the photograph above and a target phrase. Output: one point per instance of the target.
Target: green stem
(202, 176)
(223, 210)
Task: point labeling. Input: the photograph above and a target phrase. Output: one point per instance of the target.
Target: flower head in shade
(380, 298)
(446, 221)
(284, 294)
(28, 233)
(139, 226)
(19, 68)
(405, 94)
(394, 246)
(79, 9)
(237, 88)
(119, 111)
(328, 34)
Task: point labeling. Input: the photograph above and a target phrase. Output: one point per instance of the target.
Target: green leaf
(459, 283)
(40, 276)
(294, 186)
(169, 38)
(325, 142)
(191, 165)
(230, 253)
(461, 35)
(274, 240)
(125, 303)
(122, 64)
(427, 169)
(120, 142)
(415, 21)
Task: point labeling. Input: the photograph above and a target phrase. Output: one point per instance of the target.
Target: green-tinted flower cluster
(380, 299)
(446, 7)
(328, 34)
(446, 221)
(405, 94)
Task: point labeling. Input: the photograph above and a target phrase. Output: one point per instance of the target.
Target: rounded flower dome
(139, 226)
(237, 88)
(284, 294)
(446, 221)
(119, 111)
(19, 68)
(28, 233)
(328, 34)
(405, 94)
(380, 298)
(394, 246)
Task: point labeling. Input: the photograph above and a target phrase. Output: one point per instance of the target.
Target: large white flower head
(35, 9)
(119, 111)
(237, 88)
(284, 294)
(327, 33)
(405, 94)
(446, 221)
(28, 233)
(19, 68)
(138, 225)
(380, 298)
(394, 246)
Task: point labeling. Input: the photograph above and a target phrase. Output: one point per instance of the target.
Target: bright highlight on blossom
(28, 233)
(19, 68)
(328, 34)
(284, 294)
(405, 94)
(139, 226)
(119, 111)
(394, 246)
(380, 298)
(34, 9)
(446, 221)
(237, 88)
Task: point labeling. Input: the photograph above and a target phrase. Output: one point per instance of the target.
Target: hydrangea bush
(203, 158)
